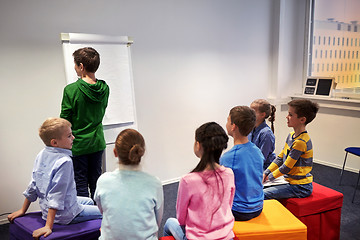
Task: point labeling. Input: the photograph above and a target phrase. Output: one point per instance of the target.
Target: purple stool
(23, 227)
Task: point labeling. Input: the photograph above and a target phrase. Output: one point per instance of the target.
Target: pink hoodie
(199, 195)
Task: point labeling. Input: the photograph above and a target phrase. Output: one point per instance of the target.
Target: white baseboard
(3, 220)
(174, 180)
(170, 181)
(335, 165)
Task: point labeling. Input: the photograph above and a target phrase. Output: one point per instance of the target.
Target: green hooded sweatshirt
(83, 105)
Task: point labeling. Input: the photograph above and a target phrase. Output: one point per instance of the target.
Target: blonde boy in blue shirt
(53, 182)
(296, 159)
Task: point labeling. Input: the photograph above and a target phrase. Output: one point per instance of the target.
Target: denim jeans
(87, 170)
(90, 210)
(172, 228)
(288, 191)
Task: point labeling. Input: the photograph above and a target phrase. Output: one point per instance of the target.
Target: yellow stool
(275, 222)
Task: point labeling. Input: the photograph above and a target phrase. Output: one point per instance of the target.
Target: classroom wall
(192, 61)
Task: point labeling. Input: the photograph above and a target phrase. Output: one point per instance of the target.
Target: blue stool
(23, 227)
(356, 152)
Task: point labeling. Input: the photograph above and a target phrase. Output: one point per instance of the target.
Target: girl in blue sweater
(262, 136)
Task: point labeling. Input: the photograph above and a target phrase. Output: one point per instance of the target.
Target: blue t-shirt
(264, 138)
(246, 161)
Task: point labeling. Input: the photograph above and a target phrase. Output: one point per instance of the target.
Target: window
(335, 41)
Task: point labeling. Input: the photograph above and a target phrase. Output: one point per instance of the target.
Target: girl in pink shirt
(205, 195)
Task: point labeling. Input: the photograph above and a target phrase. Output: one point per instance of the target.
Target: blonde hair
(52, 128)
(130, 147)
(264, 106)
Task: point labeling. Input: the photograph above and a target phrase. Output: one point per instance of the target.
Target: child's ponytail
(264, 106)
(272, 117)
(135, 154)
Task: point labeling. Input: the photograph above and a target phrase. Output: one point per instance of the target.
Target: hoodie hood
(95, 92)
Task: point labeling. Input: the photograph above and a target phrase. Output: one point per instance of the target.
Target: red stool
(167, 238)
(320, 212)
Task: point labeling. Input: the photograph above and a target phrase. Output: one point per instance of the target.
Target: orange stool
(275, 222)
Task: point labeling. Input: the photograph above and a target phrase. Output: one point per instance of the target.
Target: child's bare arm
(19, 212)
(47, 229)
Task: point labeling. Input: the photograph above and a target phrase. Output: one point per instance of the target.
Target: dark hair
(264, 106)
(244, 118)
(305, 108)
(213, 140)
(89, 57)
(130, 147)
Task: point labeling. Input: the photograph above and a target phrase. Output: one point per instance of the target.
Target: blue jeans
(87, 170)
(172, 228)
(288, 191)
(90, 210)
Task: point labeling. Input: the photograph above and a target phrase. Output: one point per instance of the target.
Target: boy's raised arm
(19, 212)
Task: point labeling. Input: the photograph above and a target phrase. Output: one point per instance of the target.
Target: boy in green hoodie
(83, 105)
